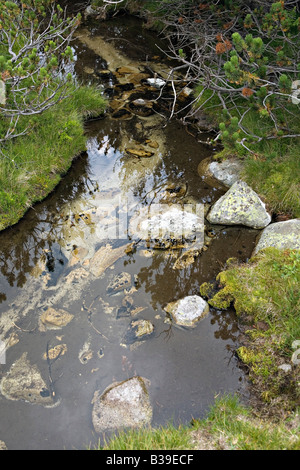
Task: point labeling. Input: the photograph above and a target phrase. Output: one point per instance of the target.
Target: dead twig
(90, 313)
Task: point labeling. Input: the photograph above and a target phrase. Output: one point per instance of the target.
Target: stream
(46, 262)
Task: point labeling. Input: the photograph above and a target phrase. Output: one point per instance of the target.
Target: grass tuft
(33, 164)
(229, 425)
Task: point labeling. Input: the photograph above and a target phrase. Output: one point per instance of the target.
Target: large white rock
(188, 311)
(168, 225)
(122, 405)
(282, 235)
(240, 205)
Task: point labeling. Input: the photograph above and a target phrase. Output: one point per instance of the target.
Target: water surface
(187, 368)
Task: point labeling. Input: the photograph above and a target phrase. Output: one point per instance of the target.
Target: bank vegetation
(42, 106)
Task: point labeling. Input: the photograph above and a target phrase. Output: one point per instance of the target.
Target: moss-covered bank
(265, 293)
(34, 164)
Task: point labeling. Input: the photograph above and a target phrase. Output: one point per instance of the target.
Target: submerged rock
(105, 257)
(139, 330)
(141, 107)
(122, 405)
(24, 382)
(53, 319)
(76, 276)
(186, 259)
(85, 354)
(188, 311)
(55, 352)
(78, 254)
(172, 192)
(281, 235)
(139, 152)
(240, 206)
(125, 70)
(122, 113)
(119, 282)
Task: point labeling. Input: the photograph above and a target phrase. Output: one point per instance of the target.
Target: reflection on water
(58, 238)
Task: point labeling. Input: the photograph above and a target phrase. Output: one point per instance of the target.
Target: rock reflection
(226, 324)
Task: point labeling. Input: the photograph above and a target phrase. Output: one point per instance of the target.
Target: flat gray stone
(282, 235)
(2, 92)
(188, 311)
(220, 174)
(285, 367)
(240, 205)
(122, 405)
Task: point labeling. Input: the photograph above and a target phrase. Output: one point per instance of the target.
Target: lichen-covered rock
(122, 405)
(188, 311)
(281, 235)
(24, 382)
(240, 206)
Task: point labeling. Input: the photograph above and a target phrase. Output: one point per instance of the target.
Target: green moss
(228, 425)
(260, 363)
(207, 289)
(266, 291)
(222, 300)
(257, 287)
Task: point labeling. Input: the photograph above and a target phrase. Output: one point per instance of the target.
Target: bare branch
(247, 57)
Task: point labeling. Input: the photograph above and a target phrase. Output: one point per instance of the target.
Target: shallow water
(187, 368)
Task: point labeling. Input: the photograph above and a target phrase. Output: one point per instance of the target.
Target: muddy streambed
(46, 262)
